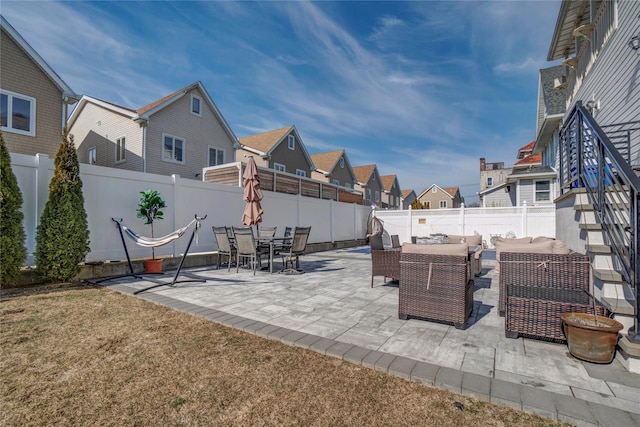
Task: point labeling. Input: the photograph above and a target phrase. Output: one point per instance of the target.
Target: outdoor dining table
(272, 243)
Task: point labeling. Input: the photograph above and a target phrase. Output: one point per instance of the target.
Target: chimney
(483, 164)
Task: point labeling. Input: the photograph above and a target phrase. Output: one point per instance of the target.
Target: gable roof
(387, 181)
(363, 173)
(67, 92)
(263, 144)
(326, 162)
(451, 191)
(532, 159)
(144, 113)
(407, 193)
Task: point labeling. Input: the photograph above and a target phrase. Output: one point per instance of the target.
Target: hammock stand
(155, 242)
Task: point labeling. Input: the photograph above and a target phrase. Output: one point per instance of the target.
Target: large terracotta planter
(588, 341)
(153, 266)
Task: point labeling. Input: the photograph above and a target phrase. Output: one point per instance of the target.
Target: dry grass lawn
(91, 356)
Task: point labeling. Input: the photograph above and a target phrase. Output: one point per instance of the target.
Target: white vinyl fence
(489, 222)
(114, 193)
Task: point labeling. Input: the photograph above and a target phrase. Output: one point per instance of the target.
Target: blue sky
(423, 89)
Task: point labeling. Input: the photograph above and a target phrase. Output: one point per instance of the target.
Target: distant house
(280, 149)
(527, 181)
(368, 181)
(391, 194)
(408, 196)
(34, 100)
(436, 197)
(178, 134)
(333, 167)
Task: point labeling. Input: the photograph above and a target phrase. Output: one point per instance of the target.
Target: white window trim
(446, 205)
(184, 149)
(32, 113)
(279, 167)
(489, 181)
(124, 150)
(95, 150)
(301, 172)
(224, 154)
(291, 142)
(194, 96)
(434, 190)
(336, 182)
(535, 190)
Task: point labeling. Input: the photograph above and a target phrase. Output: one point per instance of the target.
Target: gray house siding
(291, 159)
(499, 198)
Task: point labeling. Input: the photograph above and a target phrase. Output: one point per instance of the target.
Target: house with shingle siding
(181, 133)
(436, 197)
(391, 194)
(368, 181)
(34, 99)
(333, 167)
(280, 149)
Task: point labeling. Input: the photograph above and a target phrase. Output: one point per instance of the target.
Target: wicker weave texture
(435, 287)
(385, 263)
(570, 271)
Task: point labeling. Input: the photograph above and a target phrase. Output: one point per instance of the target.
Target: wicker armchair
(384, 262)
(536, 288)
(435, 283)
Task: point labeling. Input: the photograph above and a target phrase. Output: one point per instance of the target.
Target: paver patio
(332, 309)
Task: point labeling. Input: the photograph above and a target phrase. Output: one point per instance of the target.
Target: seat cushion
(473, 239)
(437, 249)
(534, 248)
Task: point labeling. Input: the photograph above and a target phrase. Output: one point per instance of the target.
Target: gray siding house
(368, 181)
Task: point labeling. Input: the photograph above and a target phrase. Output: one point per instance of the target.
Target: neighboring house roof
(526, 150)
(144, 113)
(42, 64)
(551, 107)
(532, 159)
(492, 189)
(264, 143)
(531, 172)
(326, 162)
(407, 193)
(451, 191)
(387, 181)
(363, 173)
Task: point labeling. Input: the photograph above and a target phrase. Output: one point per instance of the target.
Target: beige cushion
(474, 239)
(437, 249)
(542, 239)
(560, 248)
(521, 240)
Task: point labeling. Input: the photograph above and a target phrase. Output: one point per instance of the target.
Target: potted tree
(150, 208)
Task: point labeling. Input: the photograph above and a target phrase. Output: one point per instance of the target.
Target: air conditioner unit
(560, 82)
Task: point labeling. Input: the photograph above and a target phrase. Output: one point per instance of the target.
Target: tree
(12, 250)
(416, 204)
(62, 237)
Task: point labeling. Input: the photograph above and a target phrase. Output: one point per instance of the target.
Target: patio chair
(296, 248)
(436, 283)
(266, 232)
(224, 245)
(246, 247)
(395, 241)
(384, 262)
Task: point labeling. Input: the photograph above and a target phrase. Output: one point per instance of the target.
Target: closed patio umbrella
(252, 194)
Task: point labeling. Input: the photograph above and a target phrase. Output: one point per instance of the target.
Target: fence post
(524, 219)
(331, 220)
(410, 224)
(175, 181)
(462, 219)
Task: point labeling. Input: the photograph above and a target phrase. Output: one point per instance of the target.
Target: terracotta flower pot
(590, 341)
(153, 265)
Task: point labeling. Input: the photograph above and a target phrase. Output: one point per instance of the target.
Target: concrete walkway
(333, 310)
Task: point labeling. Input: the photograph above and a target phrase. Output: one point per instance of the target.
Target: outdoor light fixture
(592, 105)
(634, 43)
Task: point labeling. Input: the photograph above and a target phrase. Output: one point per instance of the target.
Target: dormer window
(292, 142)
(196, 105)
(342, 162)
(434, 190)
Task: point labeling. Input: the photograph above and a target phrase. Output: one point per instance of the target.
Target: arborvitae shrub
(62, 238)
(12, 249)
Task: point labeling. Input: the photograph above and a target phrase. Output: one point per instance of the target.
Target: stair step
(598, 248)
(619, 298)
(583, 207)
(588, 226)
(607, 275)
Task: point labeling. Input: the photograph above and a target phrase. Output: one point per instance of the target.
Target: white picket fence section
(111, 192)
(489, 222)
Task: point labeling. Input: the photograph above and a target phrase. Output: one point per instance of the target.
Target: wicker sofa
(435, 283)
(537, 286)
(472, 240)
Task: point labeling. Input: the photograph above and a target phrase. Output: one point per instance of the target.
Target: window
(336, 182)
(377, 196)
(18, 113)
(489, 181)
(292, 142)
(342, 162)
(92, 156)
(121, 149)
(300, 172)
(172, 149)
(216, 156)
(369, 195)
(279, 167)
(434, 190)
(196, 105)
(347, 184)
(443, 204)
(543, 191)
